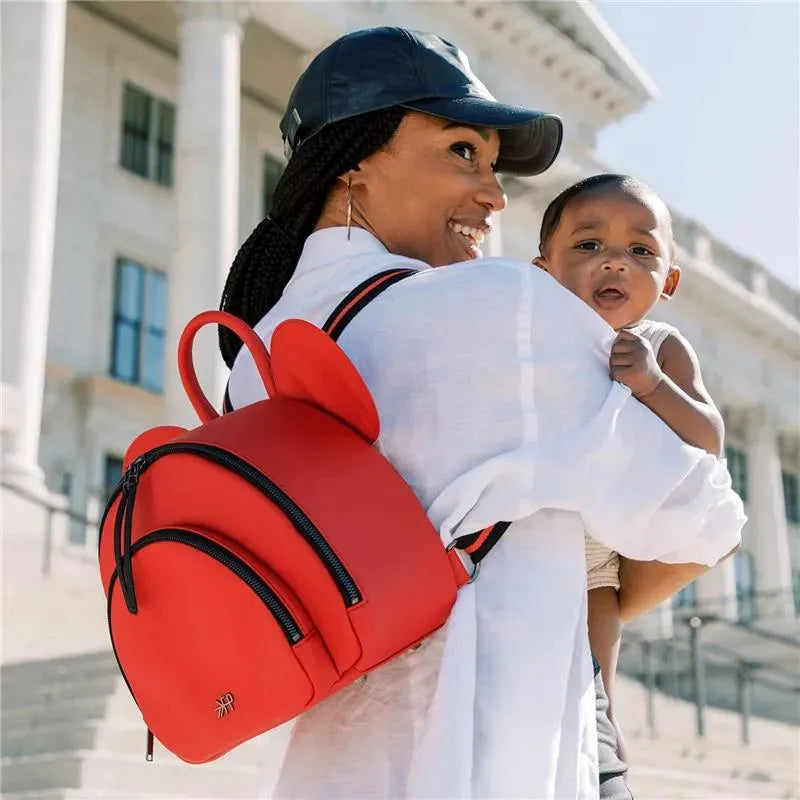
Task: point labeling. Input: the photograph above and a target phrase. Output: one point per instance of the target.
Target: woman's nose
(491, 194)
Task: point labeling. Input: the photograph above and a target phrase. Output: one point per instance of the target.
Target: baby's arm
(671, 386)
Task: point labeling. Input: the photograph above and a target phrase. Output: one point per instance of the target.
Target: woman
(394, 145)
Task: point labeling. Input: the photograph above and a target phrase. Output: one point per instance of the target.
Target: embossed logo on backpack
(224, 705)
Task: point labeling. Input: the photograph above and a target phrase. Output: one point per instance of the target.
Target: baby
(608, 239)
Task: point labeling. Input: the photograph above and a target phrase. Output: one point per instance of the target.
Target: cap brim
(529, 140)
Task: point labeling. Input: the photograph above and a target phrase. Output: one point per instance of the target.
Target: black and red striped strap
(362, 295)
(478, 545)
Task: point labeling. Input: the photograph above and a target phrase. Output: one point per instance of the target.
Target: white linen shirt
(491, 382)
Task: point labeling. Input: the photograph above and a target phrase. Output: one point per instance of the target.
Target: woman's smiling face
(431, 192)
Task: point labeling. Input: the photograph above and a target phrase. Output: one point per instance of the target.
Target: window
(737, 466)
(112, 472)
(140, 314)
(744, 569)
(791, 497)
(76, 531)
(686, 597)
(273, 169)
(148, 133)
(796, 588)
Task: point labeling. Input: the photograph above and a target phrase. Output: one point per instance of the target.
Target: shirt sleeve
(590, 447)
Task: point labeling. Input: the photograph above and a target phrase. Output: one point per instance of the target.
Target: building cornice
(538, 51)
(583, 22)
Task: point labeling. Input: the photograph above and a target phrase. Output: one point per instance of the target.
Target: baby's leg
(605, 635)
(605, 631)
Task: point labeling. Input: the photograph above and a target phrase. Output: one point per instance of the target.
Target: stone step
(85, 794)
(731, 765)
(95, 771)
(77, 711)
(53, 670)
(127, 740)
(670, 783)
(47, 693)
(692, 751)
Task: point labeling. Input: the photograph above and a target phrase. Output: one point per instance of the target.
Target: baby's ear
(540, 262)
(671, 283)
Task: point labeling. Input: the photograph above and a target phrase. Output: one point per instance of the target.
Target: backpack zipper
(344, 581)
(225, 557)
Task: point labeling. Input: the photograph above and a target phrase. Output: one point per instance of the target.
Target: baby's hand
(633, 363)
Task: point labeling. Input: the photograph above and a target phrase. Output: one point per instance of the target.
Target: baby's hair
(625, 183)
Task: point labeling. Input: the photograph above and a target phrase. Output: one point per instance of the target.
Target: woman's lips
(468, 245)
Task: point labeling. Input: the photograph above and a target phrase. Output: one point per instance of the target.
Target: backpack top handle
(205, 411)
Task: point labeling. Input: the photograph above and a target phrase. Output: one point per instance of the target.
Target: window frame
(140, 325)
(110, 459)
(791, 499)
(153, 136)
(746, 610)
(738, 467)
(270, 161)
(686, 598)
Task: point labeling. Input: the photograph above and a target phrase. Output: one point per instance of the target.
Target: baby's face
(613, 249)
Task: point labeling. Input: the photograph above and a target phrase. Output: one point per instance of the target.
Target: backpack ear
(308, 365)
(154, 437)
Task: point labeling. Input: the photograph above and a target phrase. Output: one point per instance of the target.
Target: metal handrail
(52, 509)
(747, 672)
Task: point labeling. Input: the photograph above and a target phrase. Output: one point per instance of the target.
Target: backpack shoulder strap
(345, 312)
(364, 293)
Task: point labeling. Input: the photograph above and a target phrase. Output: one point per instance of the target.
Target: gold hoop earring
(349, 204)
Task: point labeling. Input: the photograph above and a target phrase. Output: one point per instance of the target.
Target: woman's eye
(589, 246)
(465, 150)
(640, 250)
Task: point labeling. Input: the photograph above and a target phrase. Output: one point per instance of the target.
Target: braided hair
(266, 261)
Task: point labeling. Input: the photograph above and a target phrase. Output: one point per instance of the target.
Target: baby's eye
(465, 150)
(589, 246)
(641, 250)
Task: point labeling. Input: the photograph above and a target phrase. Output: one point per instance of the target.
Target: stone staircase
(672, 763)
(70, 730)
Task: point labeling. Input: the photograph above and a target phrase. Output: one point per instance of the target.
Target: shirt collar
(330, 245)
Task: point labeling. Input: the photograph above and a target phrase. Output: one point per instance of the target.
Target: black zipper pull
(149, 751)
(124, 531)
(131, 476)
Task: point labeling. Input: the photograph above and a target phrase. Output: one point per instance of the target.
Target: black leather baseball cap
(378, 68)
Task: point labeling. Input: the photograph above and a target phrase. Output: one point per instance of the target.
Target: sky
(720, 143)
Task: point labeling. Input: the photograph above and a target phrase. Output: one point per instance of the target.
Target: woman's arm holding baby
(671, 386)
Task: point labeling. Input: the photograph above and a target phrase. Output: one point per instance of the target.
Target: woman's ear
(671, 283)
(541, 262)
(352, 176)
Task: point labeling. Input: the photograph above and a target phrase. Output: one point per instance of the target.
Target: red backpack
(271, 556)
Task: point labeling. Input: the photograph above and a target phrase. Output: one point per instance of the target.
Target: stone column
(206, 186)
(33, 39)
(767, 533)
